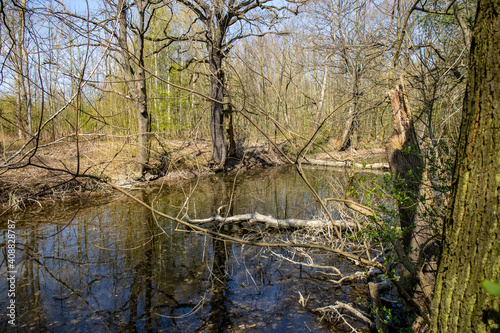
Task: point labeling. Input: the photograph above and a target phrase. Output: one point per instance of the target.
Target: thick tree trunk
(471, 249)
(219, 142)
(347, 136)
(405, 161)
(233, 151)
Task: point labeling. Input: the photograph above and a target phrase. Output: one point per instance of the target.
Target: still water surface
(109, 265)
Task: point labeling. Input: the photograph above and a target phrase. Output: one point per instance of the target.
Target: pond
(108, 265)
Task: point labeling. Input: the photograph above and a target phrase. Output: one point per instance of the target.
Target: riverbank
(47, 176)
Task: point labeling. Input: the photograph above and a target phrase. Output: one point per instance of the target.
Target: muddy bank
(48, 177)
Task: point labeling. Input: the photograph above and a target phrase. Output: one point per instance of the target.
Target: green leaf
(492, 287)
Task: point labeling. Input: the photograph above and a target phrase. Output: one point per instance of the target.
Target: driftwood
(271, 222)
(338, 164)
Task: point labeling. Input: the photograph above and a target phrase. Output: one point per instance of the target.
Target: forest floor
(48, 177)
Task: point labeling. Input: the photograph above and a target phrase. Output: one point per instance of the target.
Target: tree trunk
(19, 107)
(143, 129)
(405, 161)
(23, 85)
(319, 110)
(219, 142)
(471, 248)
(349, 129)
(26, 84)
(135, 77)
(26, 87)
(233, 151)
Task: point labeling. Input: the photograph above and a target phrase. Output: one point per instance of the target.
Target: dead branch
(270, 222)
(373, 271)
(311, 265)
(333, 312)
(374, 166)
(351, 277)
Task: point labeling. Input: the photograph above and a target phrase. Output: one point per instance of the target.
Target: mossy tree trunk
(471, 249)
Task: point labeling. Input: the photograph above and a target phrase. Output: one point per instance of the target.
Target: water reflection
(117, 268)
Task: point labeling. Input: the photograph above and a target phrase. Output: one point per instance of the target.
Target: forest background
(237, 74)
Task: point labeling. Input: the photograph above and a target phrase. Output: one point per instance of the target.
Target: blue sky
(81, 5)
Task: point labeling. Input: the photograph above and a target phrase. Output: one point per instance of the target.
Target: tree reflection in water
(219, 316)
(112, 268)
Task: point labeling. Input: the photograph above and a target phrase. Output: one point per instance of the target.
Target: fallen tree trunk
(374, 166)
(271, 222)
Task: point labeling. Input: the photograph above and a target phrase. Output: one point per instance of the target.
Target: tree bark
(233, 151)
(219, 142)
(350, 132)
(319, 110)
(471, 248)
(405, 161)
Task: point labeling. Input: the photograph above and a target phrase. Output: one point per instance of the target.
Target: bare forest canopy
(233, 73)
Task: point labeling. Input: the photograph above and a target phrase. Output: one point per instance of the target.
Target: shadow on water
(115, 267)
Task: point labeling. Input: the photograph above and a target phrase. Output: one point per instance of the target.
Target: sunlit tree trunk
(319, 110)
(471, 249)
(19, 107)
(26, 84)
(133, 71)
(22, 85)
(350, 133)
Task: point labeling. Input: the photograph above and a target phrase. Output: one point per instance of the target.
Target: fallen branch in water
(271, 222)
(374, 166)
(332, 313)
(372, 272)
(222, 236)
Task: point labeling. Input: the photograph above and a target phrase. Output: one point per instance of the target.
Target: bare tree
(221, 24)
(132, 63)
(16, 24)
(351, 36)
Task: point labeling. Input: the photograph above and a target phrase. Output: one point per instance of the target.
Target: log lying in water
(374, 166)
(270, 222)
